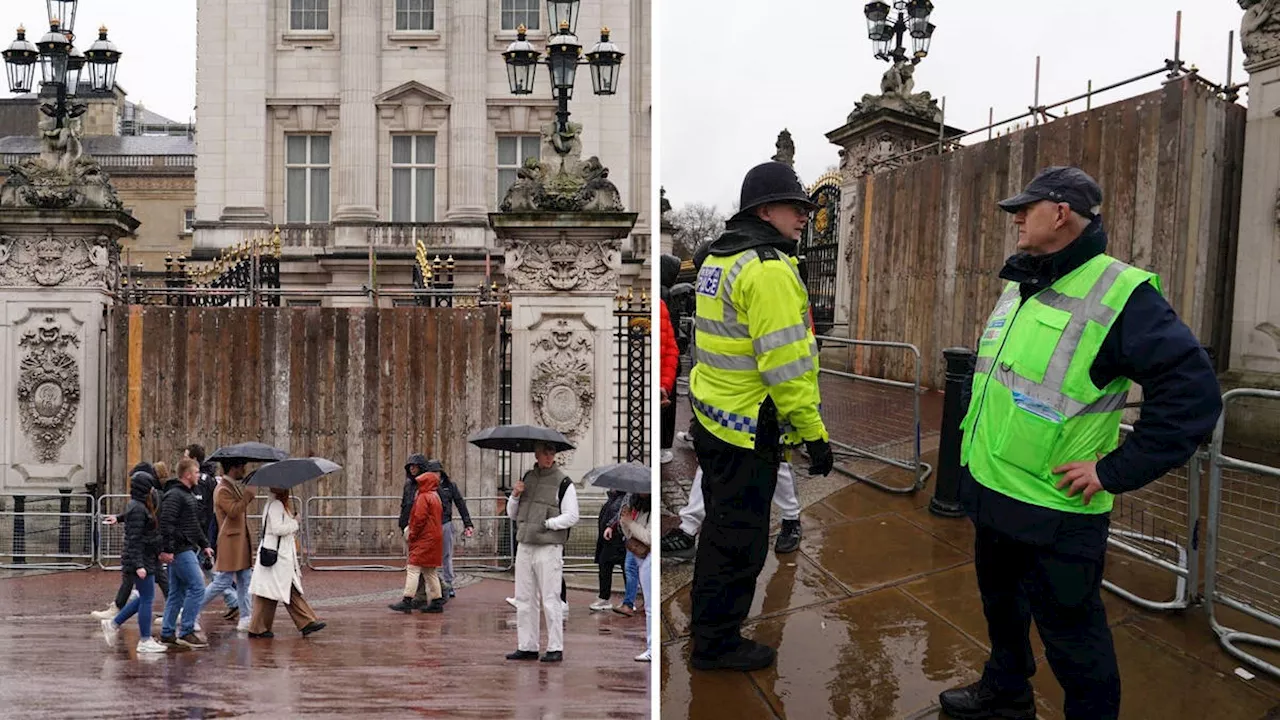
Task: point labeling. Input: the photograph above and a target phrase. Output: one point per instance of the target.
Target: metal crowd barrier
(349, 532)
(1159, 525)
(46, 531)
(492, 547)
(875, 418)
(1242, 572)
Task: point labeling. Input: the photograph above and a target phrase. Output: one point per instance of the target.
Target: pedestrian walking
(450, 498)
(233, 563)
(610, 549)
(634, 522)
(140, 560)
(754, 392)
(413, 467)
(181, 539)
(1072, 329)
(280, 580)
(426, 545)
(126, 592)
(544, 505)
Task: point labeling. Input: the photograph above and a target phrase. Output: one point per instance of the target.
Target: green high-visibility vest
(1034, 406)
(753, 342)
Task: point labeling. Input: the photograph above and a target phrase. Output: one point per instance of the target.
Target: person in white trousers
(679, 542)
(543, 505)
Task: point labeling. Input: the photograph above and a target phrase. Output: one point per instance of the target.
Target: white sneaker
(158, 620)
(666, 456)
(512, 602)
(645, 656)
(110, 631)
(243, 625)
(110, 612)
(600, 605)
(151, 646)
(683, 436)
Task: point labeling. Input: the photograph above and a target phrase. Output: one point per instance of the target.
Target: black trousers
(127, 580)
(606, 581)
(737, 487)
(1019, 582)
(667, 424)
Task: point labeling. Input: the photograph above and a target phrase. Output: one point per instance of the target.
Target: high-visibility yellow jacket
(753, 342)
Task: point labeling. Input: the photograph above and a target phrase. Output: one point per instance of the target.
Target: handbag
(266, 556)
(637, 548)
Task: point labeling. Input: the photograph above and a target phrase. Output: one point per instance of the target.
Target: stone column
(563, 274)
(1255, 326)
(468, 118)
(245, 89)
(57, 270)
(357, 172)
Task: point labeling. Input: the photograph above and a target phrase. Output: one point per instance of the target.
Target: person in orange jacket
(426, 545)
(668, 354)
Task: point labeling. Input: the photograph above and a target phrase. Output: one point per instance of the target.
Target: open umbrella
(519, 438)
(291, 472)
(632, 477)
(248, 452)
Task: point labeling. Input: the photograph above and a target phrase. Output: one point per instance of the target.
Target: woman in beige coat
(634, 521)
(281, 582)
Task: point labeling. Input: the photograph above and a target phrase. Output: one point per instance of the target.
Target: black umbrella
(632, 477)
(519, 438)
(291, 472)
(248, 452)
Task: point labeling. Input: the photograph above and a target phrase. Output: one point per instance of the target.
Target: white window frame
(188, 221)
(511, 18)
(521, 139)
(427, 11)
(413, 166)
(309, 166)
(315, 7)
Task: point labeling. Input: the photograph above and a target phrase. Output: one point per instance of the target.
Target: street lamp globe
(103, 56)
(563, 53)
(65, 12)
(55, 50)
(605, 59)
(75, 66)
(562, 12)
(878, 27)
(522, 62)
(20, 62)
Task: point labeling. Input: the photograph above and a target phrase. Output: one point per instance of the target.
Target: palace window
(308, 14)
(414, 15)
(520, 12)
(413, 178)
(307, 178)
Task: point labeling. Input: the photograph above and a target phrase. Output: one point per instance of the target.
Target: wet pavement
(369, 661)
(879, 612)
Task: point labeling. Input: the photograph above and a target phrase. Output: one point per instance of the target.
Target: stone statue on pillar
(897, 92)
(786, 149)
(564, 182)
(1260, 30)
(62, 176)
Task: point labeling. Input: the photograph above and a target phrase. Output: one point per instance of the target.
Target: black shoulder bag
(266, 556)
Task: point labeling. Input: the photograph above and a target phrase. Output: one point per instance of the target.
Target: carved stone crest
(50, 261)
(561, 385)
(1260, 30)
(871, 155)
(562, 265)
(48, 388)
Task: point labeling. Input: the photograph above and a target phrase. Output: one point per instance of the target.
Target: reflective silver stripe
(1063, 404)
(780, 338)
(984, 365)
(790, 371)
(723, 329)
(725, 362)
(1082, 310)
(726, 288)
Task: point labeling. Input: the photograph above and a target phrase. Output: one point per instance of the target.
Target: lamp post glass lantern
(887, 34)
(55, 50)
(564, 55)
(103, 57)
(75, 66)
(65, 12)
(20, 61)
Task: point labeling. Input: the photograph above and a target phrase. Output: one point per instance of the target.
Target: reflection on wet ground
(879, 611)
(368, 662)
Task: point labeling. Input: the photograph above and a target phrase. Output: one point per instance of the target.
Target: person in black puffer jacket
(450, 496)
(181, 537)
(125, 592)
(139, 560)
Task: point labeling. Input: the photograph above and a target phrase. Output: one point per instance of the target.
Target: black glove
(820, 459)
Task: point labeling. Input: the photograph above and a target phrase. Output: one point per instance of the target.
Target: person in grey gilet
(544, 505)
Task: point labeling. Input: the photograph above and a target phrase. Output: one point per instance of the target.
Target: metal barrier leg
(64, 522)
(946, 494)
(19, 530)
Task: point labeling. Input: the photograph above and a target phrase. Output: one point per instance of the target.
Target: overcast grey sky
(157, 37)
(733, 73)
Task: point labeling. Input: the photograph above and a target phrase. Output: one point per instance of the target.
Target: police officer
(1070, 332)
(754, 391)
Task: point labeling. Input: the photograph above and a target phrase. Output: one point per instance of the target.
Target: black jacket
(610, 551)
(410, 490)
(744, 231)
(141, 528)
(1181, 402)
(179, 520)
(450, 495)
(206, 483)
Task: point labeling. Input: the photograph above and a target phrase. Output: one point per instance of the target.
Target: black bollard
(946, 495)
(19, 530)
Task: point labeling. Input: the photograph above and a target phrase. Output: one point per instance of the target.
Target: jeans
(446, 568)
(649, 617)
(222, 584)
(186, 591)
(141, 605)
(631, 574)
(229, 596)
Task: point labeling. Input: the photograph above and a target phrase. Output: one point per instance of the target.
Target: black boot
(747, 656)
(977, 702)
(789, 538)
(436, 606)
(404, 606)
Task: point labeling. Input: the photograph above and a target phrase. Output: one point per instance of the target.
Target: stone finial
(897, 92)
(575, 186)
(62, 176)
(1260, 30)
(786, 149)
